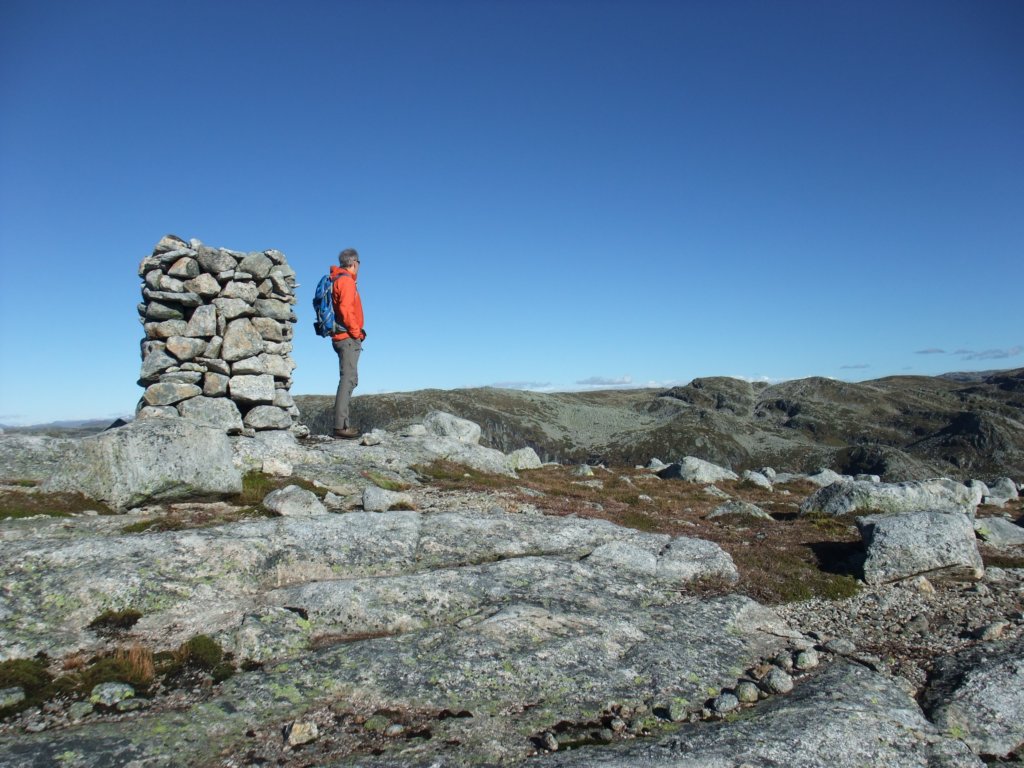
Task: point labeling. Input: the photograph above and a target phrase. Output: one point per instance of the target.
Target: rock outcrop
(149, 460)
(218, 341)
(978, 696)
(465, 627)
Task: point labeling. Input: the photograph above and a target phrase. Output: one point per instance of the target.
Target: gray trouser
(348, 363)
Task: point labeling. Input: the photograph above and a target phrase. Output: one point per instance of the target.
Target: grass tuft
(16, 503)
(383, 481)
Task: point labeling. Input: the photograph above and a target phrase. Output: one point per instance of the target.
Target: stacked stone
(219, 327)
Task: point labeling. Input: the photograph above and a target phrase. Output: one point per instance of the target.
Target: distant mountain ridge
(899, 427)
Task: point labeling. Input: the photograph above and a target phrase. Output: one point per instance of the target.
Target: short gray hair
(348, 257)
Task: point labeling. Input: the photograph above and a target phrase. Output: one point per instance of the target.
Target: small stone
(747, 692)
(678, 709)
(217, 412)
(807, 659)
(549, 741)
(777, 681)
(241, 340)
(993, 631)
(185, 268)
(718, 493)
(377, 723)
(617, 725)
(524, 458)
(922, 585)
(394, 730)
(203, 322)
(784, 661)
(11, 696)
(109, 694)
(300, 732)
(725, 702)
(79, 710)
(741, 508)
(293, 501)
(414, 430)
(278, 310)
(252, 389)
(756, 479)
(256, 264)
(247, 292)
(918, 624)
(379, 500)
(582, 470)
(185, 347)
(269, 329)
(840, 645)
(215, 385)
(157, 311)
(205, 285)
(277, 468)
(371, 438)
(231, 309)
(267, 417)
(168, 393)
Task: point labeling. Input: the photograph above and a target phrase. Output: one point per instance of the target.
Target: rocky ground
(560, 615)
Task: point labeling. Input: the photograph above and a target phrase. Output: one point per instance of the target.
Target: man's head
(349, 259)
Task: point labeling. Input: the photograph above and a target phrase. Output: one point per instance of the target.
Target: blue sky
(550, 194)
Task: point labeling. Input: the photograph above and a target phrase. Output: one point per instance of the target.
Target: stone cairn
(219, 327)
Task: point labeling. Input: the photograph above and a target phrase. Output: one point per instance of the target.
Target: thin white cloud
(603, 381)
(521, 384)
(993, 354)
(854, 366)
(930, 351)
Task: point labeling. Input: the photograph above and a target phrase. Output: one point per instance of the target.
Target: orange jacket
(348, 307)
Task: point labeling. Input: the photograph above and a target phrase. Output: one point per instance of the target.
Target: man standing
(348, 341)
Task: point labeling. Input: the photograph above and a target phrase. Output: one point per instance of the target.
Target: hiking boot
(349, 433)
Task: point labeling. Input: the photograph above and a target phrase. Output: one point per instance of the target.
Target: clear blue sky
(548, 194)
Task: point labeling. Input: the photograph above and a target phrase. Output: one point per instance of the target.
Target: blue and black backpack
(323, 306)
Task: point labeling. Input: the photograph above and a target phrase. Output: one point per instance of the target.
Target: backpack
(323, 306)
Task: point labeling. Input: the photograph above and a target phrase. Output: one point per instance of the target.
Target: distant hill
(69, 428)
(900, 427)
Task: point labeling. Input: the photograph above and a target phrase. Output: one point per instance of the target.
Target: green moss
(448, 474)
(222, 672)
(202, 652)
(637, 520)
(115, 620)
(28, 674)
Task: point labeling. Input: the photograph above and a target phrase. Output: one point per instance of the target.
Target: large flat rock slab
(209, 580)
(507, 676)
